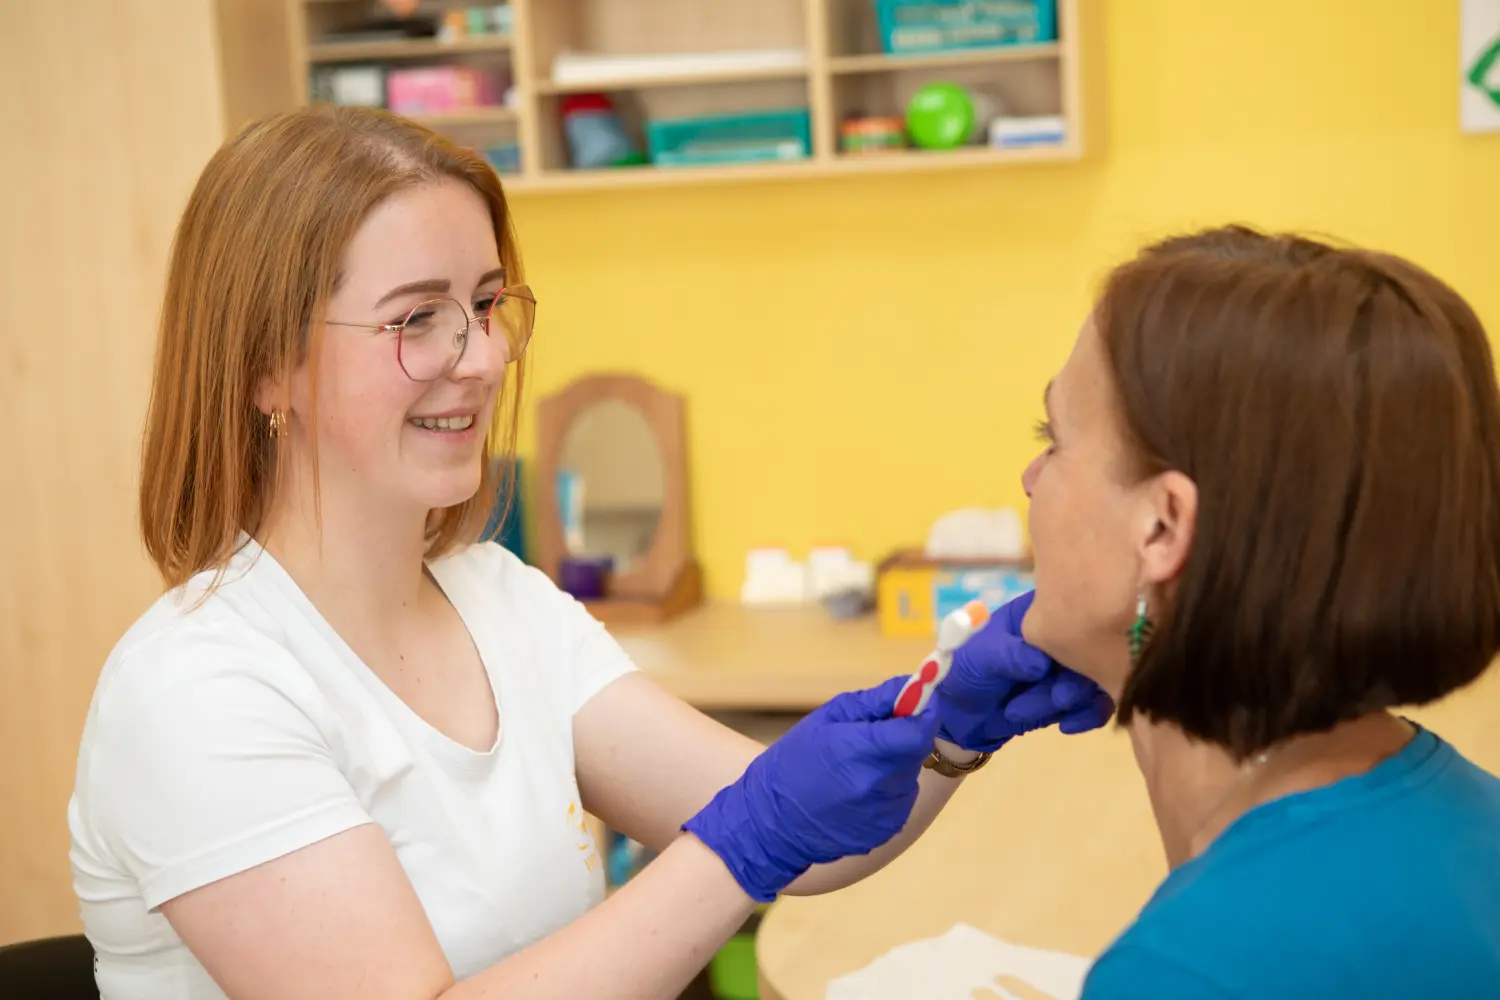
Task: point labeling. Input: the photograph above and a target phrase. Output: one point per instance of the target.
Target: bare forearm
(646, 942)
(935, 792)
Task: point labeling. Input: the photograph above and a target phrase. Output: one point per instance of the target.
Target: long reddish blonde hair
(253, 263)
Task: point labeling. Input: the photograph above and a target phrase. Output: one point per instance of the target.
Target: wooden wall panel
(110, 108)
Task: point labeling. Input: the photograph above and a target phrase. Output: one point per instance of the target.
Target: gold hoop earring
(277, 427)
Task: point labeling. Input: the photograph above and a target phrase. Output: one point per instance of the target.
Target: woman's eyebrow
(436, 286)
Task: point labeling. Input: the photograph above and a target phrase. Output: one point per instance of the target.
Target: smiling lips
(459, 423)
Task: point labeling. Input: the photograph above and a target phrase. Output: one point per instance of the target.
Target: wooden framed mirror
(612, 470)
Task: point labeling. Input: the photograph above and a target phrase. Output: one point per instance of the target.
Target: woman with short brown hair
(1268, 513)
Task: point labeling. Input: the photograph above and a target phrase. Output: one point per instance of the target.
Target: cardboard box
(913, 592)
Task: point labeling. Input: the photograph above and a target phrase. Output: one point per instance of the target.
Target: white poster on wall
(1479, 66)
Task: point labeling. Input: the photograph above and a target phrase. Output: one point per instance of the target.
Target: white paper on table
(956, 964)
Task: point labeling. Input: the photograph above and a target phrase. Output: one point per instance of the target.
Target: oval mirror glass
(610, 484)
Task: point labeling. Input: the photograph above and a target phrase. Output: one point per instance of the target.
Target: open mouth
(446, 424)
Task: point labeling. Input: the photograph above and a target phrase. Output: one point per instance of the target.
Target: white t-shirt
(224, 737)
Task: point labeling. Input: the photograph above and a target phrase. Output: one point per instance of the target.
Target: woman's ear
(270, 396)
(1171, 505)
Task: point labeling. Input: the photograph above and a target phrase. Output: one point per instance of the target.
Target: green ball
(940, 116)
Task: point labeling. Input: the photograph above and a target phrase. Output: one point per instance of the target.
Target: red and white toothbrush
(952, 633)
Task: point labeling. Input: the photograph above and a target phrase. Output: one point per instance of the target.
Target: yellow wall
(860, 355)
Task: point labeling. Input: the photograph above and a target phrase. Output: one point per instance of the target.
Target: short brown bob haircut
(256, 256)
(1338, 411)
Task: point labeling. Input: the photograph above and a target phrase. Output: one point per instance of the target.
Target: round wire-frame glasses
(431, 340)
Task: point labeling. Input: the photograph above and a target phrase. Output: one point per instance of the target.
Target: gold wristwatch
(942, 765)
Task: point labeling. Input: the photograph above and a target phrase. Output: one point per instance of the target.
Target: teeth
(444, 423)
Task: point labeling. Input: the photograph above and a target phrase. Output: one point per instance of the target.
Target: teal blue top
(1384, 885)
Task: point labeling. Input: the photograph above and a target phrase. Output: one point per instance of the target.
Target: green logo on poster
(1480, 74)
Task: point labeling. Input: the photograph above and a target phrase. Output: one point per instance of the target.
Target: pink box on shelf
(436, 90)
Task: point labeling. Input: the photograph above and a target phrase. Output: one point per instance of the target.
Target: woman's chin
(1065, 645)
(450, 490)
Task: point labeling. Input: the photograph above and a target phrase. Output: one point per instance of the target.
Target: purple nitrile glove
(1000, 687)
(841, 782)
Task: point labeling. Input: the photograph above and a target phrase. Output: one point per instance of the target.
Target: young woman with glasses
(349, 752)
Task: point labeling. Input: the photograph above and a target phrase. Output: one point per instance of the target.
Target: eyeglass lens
(435, 333)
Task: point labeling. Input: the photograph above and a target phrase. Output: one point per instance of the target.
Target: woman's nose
(484, 353)
(1028, 477)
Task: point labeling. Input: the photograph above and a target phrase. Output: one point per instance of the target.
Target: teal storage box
(954, 588)
(911, 26)
(746, 137)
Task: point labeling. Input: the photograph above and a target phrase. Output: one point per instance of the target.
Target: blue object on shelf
(624, 860)
(745, 137)
(569, 487)
(912, 26)
(505, 157)
(595, 135)
(510, 532)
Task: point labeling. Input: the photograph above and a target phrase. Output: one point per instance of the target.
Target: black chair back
(60, 968)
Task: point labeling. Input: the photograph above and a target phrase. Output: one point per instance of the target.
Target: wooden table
(724, 656)
(1052, 845)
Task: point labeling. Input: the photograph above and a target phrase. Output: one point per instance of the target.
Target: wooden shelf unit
(845, 72)
(877, 62)
(473, 116)
(545, 87)
(408, 48)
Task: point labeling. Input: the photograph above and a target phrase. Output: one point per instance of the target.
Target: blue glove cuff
(976, 746)
(726, 827)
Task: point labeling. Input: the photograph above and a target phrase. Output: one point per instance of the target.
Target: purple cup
(585, 577)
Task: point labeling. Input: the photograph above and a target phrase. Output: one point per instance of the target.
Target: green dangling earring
(1139, 633)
